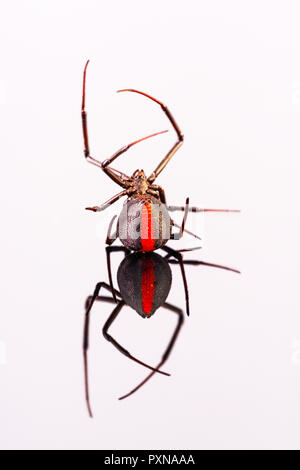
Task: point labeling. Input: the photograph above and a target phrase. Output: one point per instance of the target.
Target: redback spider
(144, 281)
(143, 226)
(144, 223)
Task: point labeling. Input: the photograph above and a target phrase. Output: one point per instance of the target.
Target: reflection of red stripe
(148, 279)
(147, 236)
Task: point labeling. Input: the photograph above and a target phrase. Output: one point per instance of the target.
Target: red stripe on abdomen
(148, 279)
(147, 235)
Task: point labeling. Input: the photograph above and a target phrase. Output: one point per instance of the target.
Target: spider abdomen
(144, 224)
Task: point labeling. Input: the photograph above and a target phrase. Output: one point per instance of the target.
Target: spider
(144, 223)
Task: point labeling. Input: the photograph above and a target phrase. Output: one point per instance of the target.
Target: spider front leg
(117, 176)
(177, 144)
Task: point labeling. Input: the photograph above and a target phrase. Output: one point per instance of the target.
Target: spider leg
(109, 241)
(194, 209)
(111, 201)
(177, 144)
(160, 191)
(179, 258)
(110, 238)
(88, 306)
(84, 116)
(183, 250)
(109, 250)
(117, 345)
(198, 209)
(127, 147)
(178, 235)
(167, 352)
(194, 262)
(117, 176)
(185, 230)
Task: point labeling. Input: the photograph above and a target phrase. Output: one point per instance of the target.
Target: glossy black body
(144, 278)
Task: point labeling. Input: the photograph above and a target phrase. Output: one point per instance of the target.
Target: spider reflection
(144, 281)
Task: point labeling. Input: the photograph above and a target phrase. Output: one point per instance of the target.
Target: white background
(230, 73)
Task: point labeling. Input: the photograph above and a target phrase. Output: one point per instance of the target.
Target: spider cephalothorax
(140, 183)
